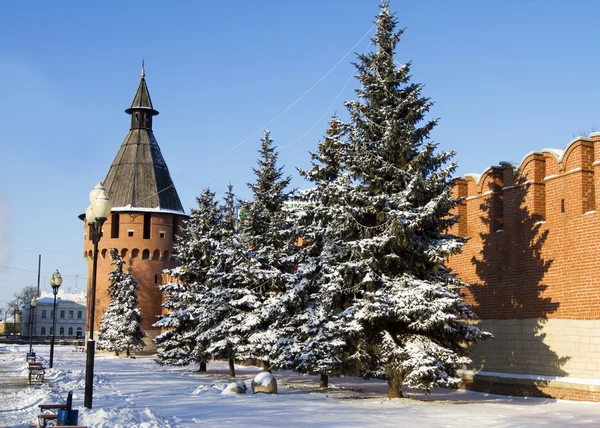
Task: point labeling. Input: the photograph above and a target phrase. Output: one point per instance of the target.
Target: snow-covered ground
(131, 393)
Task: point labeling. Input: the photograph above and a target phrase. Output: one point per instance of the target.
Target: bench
(49, 415)
(36, 373)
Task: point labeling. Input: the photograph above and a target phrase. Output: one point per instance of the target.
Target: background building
(70, 316)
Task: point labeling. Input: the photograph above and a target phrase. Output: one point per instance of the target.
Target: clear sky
(506, 77)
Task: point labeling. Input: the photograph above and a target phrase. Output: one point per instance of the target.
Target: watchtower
(146, 216)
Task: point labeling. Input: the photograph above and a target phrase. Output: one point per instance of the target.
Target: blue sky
(506, 77)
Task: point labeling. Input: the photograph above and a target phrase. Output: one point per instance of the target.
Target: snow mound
(263, 378)
(123, 418)
(235, 388)
(214, 389)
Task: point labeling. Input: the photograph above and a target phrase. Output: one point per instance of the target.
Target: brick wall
(532, 256)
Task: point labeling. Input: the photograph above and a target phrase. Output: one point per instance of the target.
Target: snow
(137, 393)
(263, 378)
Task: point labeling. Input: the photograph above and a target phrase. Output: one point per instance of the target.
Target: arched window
(165, 256)
(70, 331)
(134, 253)
(79, 332)
(156, 255)
(43, 331)
(146, 255)
(51, 331)
(124, 252)
(103, 253)
(62, 331)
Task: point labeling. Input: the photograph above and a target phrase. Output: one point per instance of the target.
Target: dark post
(95, 233)
(55, 282)
(95, 215)
(32, 306)
(53, 333)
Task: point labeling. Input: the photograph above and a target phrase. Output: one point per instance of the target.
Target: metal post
(31, 309)
(95, 232)
(53, 333)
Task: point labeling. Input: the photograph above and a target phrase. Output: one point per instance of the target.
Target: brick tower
(145, 217)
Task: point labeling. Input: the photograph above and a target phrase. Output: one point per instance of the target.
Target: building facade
(531, 258)
(70, 317)
(145, 218)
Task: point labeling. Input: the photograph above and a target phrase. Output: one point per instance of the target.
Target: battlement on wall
(552, 185)
(533, 235)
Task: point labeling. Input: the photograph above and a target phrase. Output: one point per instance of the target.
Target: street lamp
(32, 306)
(96, 215)
(55, 282)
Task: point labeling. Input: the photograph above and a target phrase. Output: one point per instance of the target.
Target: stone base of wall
(545, 347)
(563, 389)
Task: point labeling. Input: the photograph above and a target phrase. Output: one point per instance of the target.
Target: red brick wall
(534, 240)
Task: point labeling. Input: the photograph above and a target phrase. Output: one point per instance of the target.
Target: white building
(70, 316)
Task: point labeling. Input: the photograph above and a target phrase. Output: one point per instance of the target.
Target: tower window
(162, 234)
(147, 218)
(130, 233)
(114, 229)
(562, 205)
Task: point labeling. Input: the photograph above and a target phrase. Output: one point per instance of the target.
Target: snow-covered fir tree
(224, 283)
(403, 316)
(120, 328)
(267, 257)
(187, 297)
(311, 339)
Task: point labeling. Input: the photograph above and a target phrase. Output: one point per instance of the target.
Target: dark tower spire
(139, 177)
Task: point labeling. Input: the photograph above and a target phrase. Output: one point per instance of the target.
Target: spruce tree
(224, 284)
(311, 339)
(402, 313)
(266, 249)
(187, 296)
(120, 328)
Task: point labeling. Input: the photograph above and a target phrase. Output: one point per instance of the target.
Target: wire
(299, 98)
(43, 273)
(328, 108)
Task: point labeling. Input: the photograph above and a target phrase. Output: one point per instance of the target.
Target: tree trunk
(117, 353)
(231, 368)
(395, 385)
(202, 366)
(324, 382)
(128, 355)
(266, 366)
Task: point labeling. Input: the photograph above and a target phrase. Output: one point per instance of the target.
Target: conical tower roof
(142, 98)
(138, 179)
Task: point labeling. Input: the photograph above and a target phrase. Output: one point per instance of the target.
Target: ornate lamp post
(96, 215)
(55, 282)
(32, 306)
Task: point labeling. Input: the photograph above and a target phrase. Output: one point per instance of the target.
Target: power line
(44, 273)
(328, 108)
(301, 96)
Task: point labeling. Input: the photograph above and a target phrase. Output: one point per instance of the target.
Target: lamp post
(32, 306)
(55, 282)
(96, 215)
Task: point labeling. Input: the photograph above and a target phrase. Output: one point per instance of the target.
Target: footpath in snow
(132, 393)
